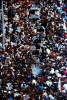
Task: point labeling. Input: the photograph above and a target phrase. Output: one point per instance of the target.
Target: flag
(59, 85)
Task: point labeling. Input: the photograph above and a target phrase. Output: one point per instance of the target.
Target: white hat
(34, 82)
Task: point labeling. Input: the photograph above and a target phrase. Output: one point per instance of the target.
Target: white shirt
(65, 86)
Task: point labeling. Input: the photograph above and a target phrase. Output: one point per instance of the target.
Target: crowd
(33, 65)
